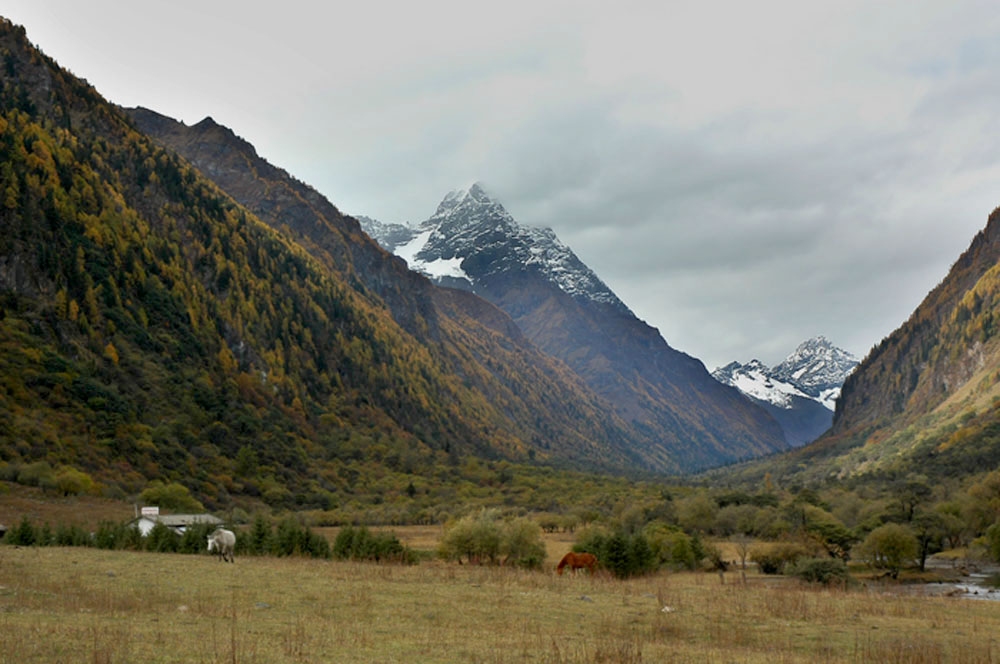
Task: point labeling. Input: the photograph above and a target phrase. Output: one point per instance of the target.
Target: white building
(176, 522)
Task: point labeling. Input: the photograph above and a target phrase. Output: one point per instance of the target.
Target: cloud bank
(743, 175)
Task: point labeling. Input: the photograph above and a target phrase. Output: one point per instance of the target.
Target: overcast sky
(744, 175)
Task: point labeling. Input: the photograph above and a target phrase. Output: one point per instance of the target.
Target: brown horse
(578, 561)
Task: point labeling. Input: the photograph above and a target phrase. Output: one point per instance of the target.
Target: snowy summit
(816, 370)
(801, 392)
(471, 238)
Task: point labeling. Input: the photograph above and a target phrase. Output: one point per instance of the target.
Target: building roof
(175, 520)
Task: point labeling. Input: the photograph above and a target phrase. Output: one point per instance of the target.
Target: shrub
(111, 535)
(22, 534)
(672, 547)
(993, 541)
(889, 547)
(258, 540)
(171, 496)
(477, 538)
(696, 512)
(70, 481)
(292, 538)
(162, 539)
(521, 543)
(37, 474)
(9, 471)
(361, 544)
(820, 570)
(71, 536)
(777, 558)
(622, 554)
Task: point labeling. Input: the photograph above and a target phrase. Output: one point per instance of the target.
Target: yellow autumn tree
(111, 353)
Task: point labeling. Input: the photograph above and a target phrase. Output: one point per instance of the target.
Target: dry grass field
(87, 605)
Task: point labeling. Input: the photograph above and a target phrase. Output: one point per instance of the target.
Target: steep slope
(935, 351)
(800, 393)
(563, 307)
(153, 328)
(927, 398)
(470, 338)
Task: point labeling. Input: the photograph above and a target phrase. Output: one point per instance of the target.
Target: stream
(972, 586)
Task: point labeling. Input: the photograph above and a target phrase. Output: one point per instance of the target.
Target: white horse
(223, 541)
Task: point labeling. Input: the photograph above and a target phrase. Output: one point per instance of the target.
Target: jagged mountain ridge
(567, 311)
(471, 230)
(800, 392)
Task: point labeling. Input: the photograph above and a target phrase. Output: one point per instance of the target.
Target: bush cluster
(361, 544)
(673, 548)
(778, 557)
(486, 538)
(623, 554)
(820, 570)
(289, 538)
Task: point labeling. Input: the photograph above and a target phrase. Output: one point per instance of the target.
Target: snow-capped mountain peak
(470, 206)
(801, 392)
(471, 239)
(816, 370)
(755, 379)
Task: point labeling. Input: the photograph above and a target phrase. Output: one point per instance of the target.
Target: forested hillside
(153, 328)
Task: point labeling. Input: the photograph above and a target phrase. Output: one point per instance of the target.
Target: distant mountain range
(174, 307)
(800, 392)
(563, 307)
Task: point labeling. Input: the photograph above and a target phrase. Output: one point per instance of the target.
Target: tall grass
(83, 604)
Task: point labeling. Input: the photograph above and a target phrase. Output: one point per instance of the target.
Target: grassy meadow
(98, 606)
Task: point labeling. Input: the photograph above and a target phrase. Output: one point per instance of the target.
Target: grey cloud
(800, 169)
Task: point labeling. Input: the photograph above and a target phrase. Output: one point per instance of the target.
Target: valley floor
(80, 604)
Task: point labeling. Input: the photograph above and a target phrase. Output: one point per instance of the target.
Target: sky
(744, 175)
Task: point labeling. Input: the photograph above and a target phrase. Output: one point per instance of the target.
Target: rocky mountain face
(472, 242)
(800, 392)
(818, 368)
